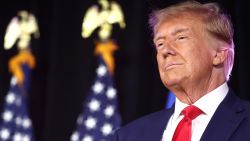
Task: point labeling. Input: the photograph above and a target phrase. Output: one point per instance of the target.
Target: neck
(192, 92)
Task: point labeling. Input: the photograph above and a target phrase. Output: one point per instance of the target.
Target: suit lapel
(225, 120)
(158, 127)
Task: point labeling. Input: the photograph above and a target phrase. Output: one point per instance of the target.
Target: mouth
(171, 66)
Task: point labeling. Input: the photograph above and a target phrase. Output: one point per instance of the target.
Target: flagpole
(15, 120)
(100, 116)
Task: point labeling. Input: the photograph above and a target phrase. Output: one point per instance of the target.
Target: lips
(171, 66)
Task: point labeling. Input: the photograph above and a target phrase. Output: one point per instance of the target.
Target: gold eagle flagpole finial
(19, 31)
(103, 18)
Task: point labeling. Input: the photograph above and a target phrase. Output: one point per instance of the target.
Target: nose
(166, 51)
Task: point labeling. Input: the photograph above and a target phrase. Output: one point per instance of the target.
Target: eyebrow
(175, 32)
(180, 30)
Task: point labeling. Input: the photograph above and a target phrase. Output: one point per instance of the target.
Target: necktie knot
(184, 129)
(191, 112)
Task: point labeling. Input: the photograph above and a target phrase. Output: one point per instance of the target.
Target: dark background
(66, 64)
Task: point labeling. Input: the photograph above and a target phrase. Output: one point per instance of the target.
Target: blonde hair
(217, 23)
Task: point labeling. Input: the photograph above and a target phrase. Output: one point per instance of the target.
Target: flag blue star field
(15, 122)
(100, 116)
(170, 100)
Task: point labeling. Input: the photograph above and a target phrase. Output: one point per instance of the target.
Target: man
(195, 54)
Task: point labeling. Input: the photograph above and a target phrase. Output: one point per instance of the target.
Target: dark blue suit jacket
(230, 122)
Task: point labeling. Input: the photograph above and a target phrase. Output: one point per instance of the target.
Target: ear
(220, 56)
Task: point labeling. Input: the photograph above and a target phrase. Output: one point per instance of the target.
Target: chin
(171, 83)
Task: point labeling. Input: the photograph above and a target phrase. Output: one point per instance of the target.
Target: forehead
(177, 25)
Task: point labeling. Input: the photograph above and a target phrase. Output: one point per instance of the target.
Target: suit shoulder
(246, 105)
(141, 129)
(148, 121)
(148, 118)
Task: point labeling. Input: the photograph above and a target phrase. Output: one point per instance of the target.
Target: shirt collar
(208, 103)
(179, 106)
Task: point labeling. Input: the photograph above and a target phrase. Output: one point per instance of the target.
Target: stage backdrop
(66, 63)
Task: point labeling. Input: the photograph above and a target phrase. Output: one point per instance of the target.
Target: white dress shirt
(208, 104)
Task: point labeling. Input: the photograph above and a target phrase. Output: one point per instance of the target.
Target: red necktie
(184, 128)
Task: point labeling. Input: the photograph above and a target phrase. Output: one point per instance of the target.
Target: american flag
(16, 124)
(170, 100)
(100, 116)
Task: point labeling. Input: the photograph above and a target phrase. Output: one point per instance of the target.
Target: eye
(158, 45)
(180, 38)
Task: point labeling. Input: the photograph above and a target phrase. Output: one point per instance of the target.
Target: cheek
(159, 61)
(192, 61)
(200, 63)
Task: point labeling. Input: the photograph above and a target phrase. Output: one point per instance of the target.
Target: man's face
(184, 52)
